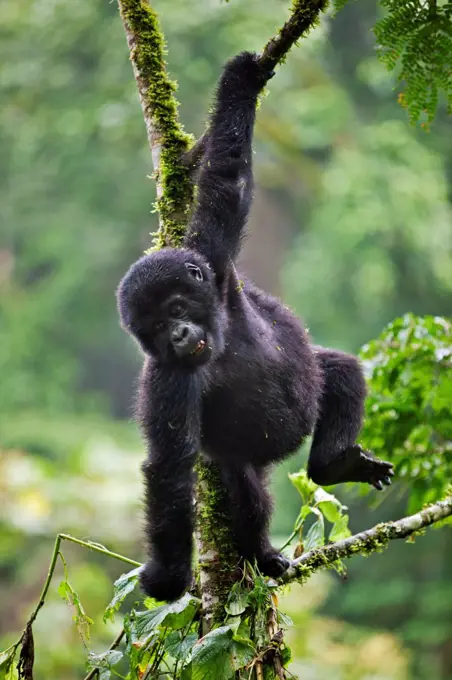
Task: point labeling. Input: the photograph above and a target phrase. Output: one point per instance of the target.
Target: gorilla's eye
(194, 271)
(177, 309)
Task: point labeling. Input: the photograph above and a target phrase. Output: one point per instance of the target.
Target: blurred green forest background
(352, 226)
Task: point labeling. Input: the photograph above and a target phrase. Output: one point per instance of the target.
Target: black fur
(229, 369)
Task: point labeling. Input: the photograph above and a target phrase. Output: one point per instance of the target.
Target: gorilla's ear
(194, 271)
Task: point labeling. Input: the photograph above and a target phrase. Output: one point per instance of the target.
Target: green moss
(213, 529)
(307, 14)
(324, 558)
(372, 544)
(157, 91)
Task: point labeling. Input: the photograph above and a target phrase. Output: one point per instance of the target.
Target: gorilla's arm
(225, 178)
(170, 418)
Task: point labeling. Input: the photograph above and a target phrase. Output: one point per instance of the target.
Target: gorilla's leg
(334, 456)
(250, 509)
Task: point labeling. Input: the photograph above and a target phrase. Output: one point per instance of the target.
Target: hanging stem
(42, 598)
(53, 560)
(100, 549)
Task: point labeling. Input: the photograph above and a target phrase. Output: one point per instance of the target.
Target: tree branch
(305, 16)
(166, 137)
(99, 548)
(366, 542)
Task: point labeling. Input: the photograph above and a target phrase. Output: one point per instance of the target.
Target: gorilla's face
(168, 301)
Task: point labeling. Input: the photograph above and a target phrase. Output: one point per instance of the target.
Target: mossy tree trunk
(168, 142)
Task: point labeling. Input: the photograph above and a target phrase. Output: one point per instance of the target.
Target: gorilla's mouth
(199, 349)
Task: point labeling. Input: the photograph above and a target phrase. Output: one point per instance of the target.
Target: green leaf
(262, 590)
(286, 655)
(238, 600)
(173, 615)
(284, 619)
(104, 662)
(409, 368)
(211, 656)
(179, 646)
(82, 621)
(6, 656)
(124, 585)
(305, 486)
(138, 650)
(11, 672)
(316, 534)
(340, 530)
(243, 652)
(186, 673)
(329, 505)
(7, 666)
(219, 654)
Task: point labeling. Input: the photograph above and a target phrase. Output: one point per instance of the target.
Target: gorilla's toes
(273, 564)
(164, 583)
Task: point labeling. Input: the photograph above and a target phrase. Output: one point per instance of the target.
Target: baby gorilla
(229, 370)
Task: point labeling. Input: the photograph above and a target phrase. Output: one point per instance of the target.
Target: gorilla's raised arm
(225, 179)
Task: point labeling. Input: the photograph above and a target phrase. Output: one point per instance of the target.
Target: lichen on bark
(175, 195)
(217, 558)
(167, 138)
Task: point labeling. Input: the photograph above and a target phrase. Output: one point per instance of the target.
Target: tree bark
(371, 540)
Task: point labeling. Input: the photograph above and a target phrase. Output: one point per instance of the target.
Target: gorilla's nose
(186, 337)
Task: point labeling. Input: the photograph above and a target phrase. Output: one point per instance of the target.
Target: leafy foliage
(175, 615)
(323, 505)
(161, 636)
(104, 662)
(416, 36)
(179, 646)
(408, 410)
(167, 636)
(124, 585)
(383, 216)
(219, 654)
(82, 620)
(8, 663)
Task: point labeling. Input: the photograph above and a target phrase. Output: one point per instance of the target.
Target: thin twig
(100, 548)
(259, 668)
(275, 637)
(45, 588)
(372, 540)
